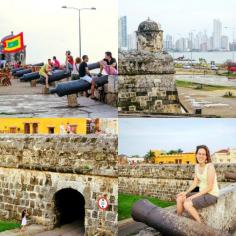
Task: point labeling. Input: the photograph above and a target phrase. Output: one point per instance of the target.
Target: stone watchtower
(149, 37)
(146, 75)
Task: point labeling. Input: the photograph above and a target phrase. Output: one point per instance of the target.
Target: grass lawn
(231, 75)
(125, 204)
(7, 225)
(192, 85)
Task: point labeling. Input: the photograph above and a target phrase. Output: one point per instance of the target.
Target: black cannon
(22, 72)
(168, 223)
(230, 175)
(93, 66)
(13, 71)
(56, 76)
(76, 86)
(30, 76)
(38, 64)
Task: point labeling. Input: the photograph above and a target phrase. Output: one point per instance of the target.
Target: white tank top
(203, 180)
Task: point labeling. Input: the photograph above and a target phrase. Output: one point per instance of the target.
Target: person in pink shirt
(56, 63)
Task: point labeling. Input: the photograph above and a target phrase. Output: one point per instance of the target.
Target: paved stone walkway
(73, 229)
(31, 230)
(21, 100)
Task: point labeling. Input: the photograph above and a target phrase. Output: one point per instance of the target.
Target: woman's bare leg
(188, 206)
(92, 88)
(46, 82)
(180, 205)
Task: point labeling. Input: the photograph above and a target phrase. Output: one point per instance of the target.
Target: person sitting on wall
(45, 71)
(84, 74)
(75, 72)
(206, 179)
(108, 64)
(56, 64)
(69, 61)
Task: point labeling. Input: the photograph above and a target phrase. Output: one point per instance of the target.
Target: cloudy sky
(137, 136)
(50, 30)
(180, 16)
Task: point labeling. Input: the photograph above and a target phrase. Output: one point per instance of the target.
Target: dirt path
(211, 102)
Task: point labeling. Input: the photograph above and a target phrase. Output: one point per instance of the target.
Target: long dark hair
(207, 152)
(23, 213)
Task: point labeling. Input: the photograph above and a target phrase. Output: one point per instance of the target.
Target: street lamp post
(79, 10)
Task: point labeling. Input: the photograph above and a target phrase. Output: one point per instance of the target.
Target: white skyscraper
(225, 42)
(181, 44)
(123, 37)
(132, 41)
(217, 33)
(168, 44)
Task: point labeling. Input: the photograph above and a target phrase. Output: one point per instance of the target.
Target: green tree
(149, 156)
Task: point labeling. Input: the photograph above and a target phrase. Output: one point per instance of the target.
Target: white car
(187, 67)
(214, 67)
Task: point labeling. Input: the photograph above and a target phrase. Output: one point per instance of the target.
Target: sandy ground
(211, 102)
(22, 100)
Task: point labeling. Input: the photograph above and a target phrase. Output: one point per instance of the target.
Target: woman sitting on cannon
(205, 178)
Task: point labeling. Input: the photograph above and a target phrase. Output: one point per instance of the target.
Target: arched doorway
(69, 207)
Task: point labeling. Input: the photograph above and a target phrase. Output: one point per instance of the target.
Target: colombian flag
(13, 44)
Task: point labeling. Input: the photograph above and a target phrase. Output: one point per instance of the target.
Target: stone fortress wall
(35, 169)
(163, 181)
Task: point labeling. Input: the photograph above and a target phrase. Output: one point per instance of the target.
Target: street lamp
(233, 29)
(79, 10)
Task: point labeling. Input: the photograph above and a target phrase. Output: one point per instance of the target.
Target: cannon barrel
(56, 76)
(168, 223)
(76, 86)
(230, 175)
(93, 66)
(30, 76)
(38, 64)
(13, 71)
(22, 72)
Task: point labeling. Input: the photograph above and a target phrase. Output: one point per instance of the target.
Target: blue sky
(180, 16)
(137, 136)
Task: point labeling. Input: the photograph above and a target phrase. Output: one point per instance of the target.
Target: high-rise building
(168, 43)
(132, 41)
(225, 42)
(191, 41)
(217, 33)
(181, 44)
(210, 43)
(204, 42)
(123, 37)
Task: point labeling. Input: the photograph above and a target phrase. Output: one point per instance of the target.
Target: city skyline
(194, 40)
(198, 15)
(138, 136)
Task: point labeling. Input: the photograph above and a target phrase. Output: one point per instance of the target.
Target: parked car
(214, 67)
(187, 67)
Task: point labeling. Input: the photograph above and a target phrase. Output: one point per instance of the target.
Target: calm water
(208, 79)
(218, 57)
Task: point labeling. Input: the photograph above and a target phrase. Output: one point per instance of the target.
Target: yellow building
(44, 125)
(177, 158)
